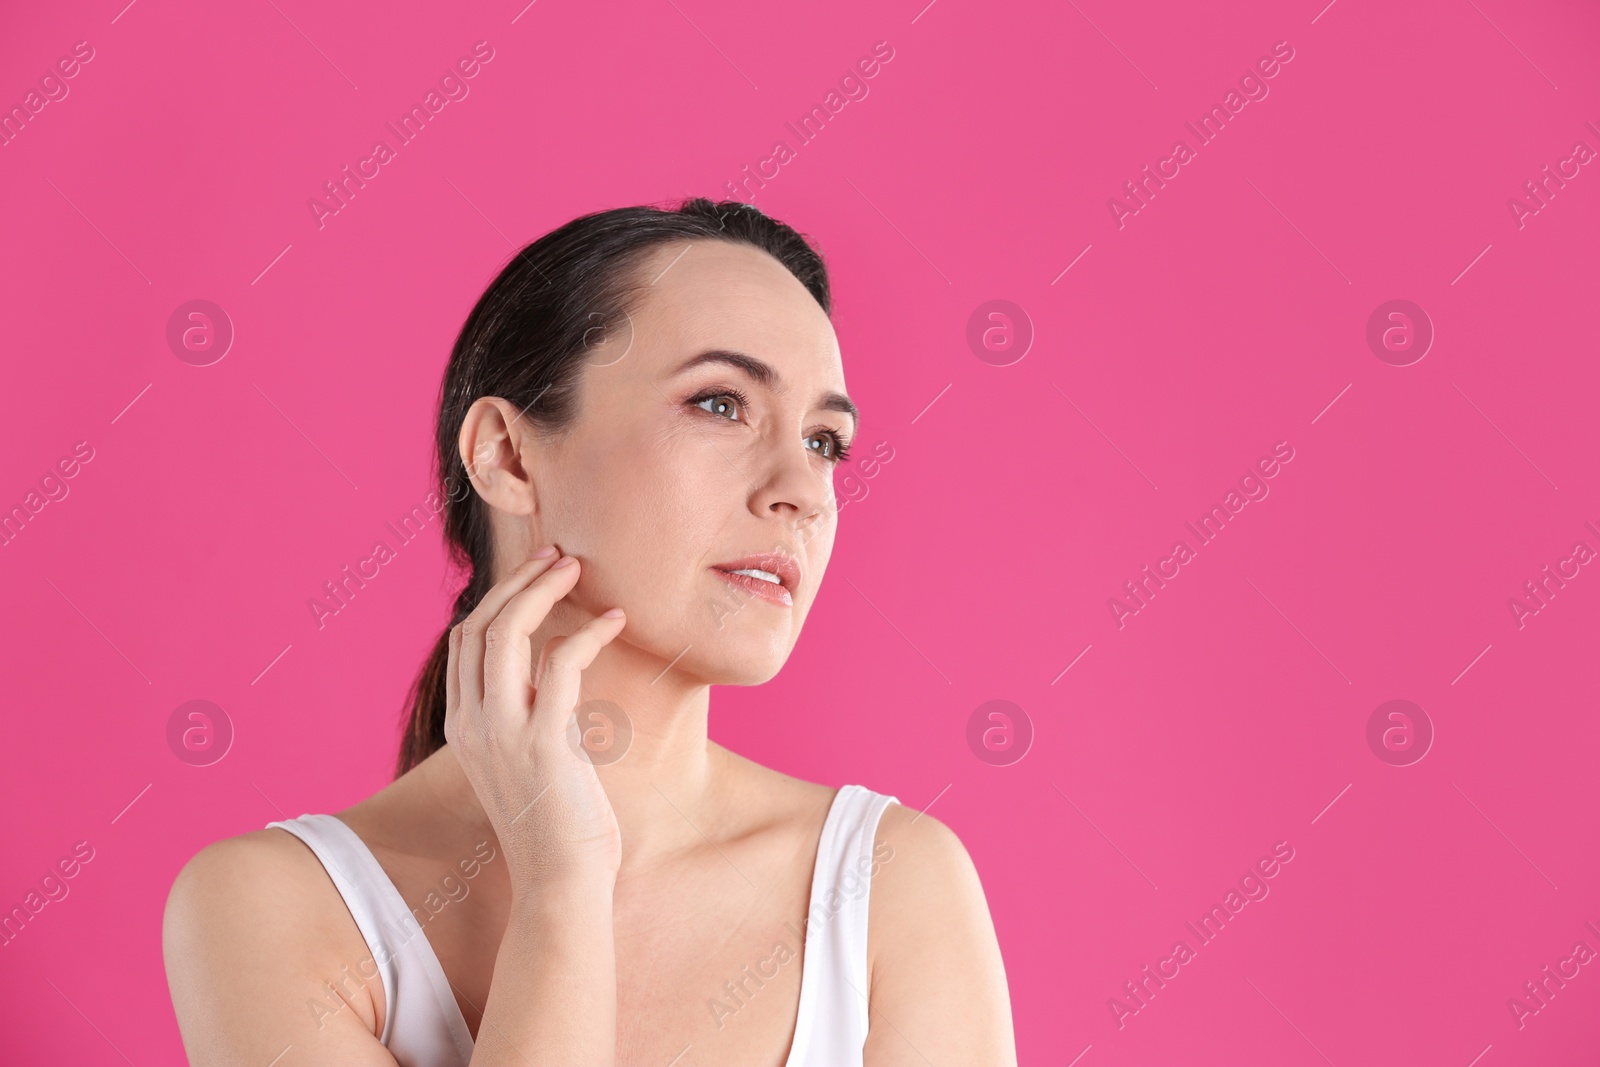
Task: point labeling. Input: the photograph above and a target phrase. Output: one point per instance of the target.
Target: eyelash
(841, 448)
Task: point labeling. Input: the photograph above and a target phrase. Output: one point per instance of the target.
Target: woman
(566, 870)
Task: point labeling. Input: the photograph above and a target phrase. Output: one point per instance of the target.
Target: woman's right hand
(507, 719)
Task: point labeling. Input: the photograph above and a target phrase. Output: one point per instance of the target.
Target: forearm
(553, 998)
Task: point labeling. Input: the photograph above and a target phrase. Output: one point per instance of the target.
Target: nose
(794, 485)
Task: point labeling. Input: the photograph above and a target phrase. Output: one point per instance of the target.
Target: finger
(452, 682)
(561, 673)
(469, 676)
(507, 666)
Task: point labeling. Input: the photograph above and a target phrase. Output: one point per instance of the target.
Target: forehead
(705, 294)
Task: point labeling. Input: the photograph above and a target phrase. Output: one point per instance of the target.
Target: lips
(777, 563)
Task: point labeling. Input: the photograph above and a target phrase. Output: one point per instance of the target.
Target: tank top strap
(422, 1024)
(832, 1025)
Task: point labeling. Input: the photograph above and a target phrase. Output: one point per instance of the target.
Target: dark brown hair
(525, 341)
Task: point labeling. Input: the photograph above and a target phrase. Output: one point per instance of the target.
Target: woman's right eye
(721, 396)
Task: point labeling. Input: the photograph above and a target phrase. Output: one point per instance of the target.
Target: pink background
(1229, 714)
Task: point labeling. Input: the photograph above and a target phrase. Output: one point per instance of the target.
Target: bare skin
(619, 902)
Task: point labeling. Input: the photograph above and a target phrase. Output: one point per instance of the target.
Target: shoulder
(924, 875)
(251, 853)
(265, 876)
(934, 963)
(254, 936)
(256, 877)
(263, 889)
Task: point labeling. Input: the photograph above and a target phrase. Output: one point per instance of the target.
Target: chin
(734, 659)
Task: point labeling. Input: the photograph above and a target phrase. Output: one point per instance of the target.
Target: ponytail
(427, 698)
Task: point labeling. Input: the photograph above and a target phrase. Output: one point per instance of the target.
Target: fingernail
(563, 561)
(614, 613)
(544, 552)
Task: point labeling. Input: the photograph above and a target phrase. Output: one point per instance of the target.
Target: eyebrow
(764, 374)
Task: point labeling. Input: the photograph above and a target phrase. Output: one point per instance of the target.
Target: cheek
(648, 518)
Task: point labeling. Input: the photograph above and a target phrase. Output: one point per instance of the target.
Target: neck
(664, 787)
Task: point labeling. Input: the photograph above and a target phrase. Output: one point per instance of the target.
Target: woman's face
(668, 475)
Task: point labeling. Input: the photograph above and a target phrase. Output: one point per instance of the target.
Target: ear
(491, 445)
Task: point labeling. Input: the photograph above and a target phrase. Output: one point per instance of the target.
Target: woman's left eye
(837, 452)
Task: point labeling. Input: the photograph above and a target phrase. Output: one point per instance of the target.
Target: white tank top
(423, 1025)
